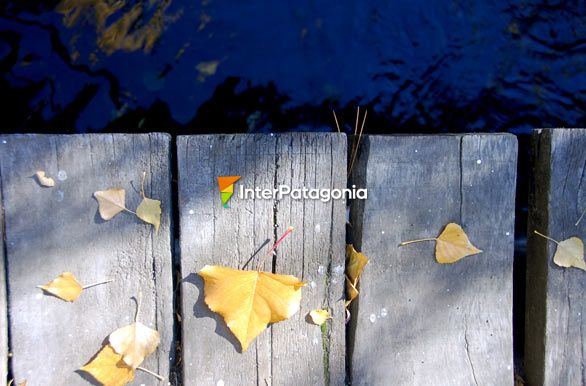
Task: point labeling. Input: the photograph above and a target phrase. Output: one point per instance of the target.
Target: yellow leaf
(108, 368)
(319, 317)
(453, 244)
(356, 262)
(250, 300)
(569, 253)
(44, 180)
(111, 202)
(351, 291)
(134, 342)
(149, 211)
(65, 286)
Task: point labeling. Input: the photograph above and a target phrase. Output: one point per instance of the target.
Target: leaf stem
(418, 240)
(545, 237)
(97, 283)
(126, 209)
(138, 301)
(121, 207)
(261, 261)
(580, 219)
(160, 378)
(142, 184)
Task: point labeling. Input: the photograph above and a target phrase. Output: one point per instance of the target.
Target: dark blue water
(270, 66)
(261, 66)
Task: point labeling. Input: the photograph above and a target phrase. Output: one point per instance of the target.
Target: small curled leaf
(319, 317)
(43, 180)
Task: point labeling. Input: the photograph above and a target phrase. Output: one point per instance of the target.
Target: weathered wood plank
(555, 328)
(417, 321)
(291, 352)
(51, 230)
(3, 305)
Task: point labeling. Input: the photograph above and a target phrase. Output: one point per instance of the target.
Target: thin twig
(160, 378)
(580, 219)
(138, 301)
(358, 143)
(98, 283)
(142, 184)
(261, 261)
(336, 119)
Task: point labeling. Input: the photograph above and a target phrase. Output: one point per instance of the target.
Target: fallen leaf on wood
(149, 210)
(319, 317)
(250, 300)
(451, 245)
(355, 263)
(108, 368)
(569, 253)
(351, 292)
(66, 286)
(43, 180)
(135, 341)
(111, 202)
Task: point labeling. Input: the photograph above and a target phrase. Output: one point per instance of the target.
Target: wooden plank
(555, 329)
(51, 230)
(294, 351)
(417, 321)
(3, 305)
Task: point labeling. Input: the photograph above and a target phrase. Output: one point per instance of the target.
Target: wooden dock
(416, 322)
(555, 331)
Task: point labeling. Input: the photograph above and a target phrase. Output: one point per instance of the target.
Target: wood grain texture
(555, 349)
(3, 299)
(51, 230)
(293, 351)
(417, 321)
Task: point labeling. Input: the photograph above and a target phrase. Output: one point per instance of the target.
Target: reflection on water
(118, 26)
(90, 65)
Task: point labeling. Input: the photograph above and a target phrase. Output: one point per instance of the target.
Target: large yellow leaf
(108, 368)
(250, 300)
(453, 244)
(64, 286)
(111, 202)
(149, 211)
(134, 342)
(355, 263)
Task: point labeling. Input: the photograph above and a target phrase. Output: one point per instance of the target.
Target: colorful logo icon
(226, 184)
